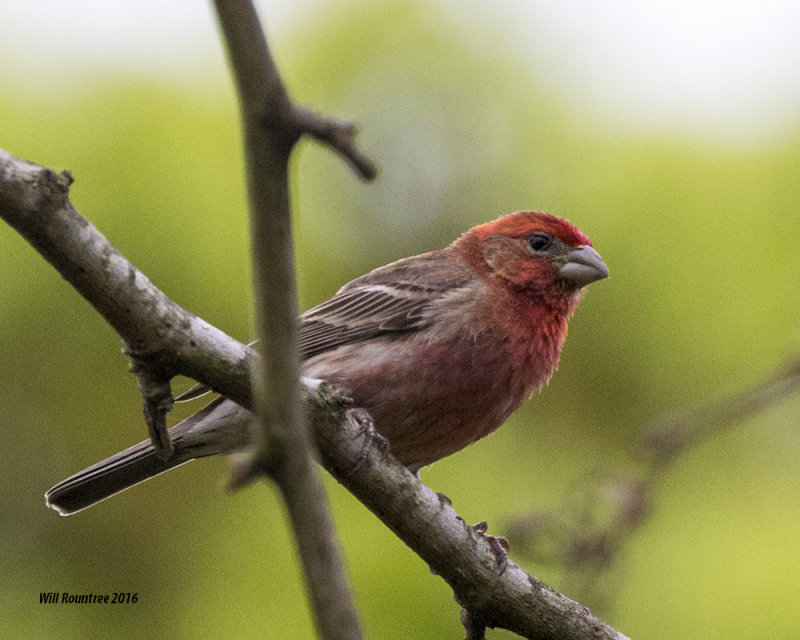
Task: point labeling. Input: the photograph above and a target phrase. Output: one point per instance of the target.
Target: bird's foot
(498, 544)
(361, 419)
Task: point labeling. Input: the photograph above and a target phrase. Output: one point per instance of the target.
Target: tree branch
(588, 532)
(673, 435)
(34, 201)
(338, 135)
(284, 447)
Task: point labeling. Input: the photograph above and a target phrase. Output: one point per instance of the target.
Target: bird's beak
(583, 266)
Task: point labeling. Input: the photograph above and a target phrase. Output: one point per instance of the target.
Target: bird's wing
(393, 298)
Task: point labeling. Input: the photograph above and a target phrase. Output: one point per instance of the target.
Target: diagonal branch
(673, 435)
(34, 201)
(588, 532)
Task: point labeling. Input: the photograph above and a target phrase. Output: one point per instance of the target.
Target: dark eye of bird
(539, 242)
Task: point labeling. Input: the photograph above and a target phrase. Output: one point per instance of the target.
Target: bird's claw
(361, 419)
(499, 545)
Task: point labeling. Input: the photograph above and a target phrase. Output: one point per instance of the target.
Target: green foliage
(703, 299)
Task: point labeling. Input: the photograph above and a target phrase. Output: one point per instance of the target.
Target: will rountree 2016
(64, 597)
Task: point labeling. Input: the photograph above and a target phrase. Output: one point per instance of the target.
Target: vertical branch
(284, 445)
(263, 100)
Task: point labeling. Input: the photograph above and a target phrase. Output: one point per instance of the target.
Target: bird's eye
(539, 242)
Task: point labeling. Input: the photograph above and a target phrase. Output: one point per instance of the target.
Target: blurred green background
(701, 235)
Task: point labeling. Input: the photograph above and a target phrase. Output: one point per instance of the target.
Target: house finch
(439, 348)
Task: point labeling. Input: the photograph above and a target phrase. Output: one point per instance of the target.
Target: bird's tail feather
(108, 477)
(124, 469)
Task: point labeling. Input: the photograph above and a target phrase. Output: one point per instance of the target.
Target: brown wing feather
(389, 299)
(393, 298)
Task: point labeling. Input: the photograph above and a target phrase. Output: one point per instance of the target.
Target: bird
(439, 348)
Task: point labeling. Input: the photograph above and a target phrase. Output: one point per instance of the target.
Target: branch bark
(283, 446)
(34, 200)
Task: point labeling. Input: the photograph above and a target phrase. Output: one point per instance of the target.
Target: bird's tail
(196, 436)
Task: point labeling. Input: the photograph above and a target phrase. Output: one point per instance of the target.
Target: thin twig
(156, 403)
(590, 529)
(672, 436)
(339, 135)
